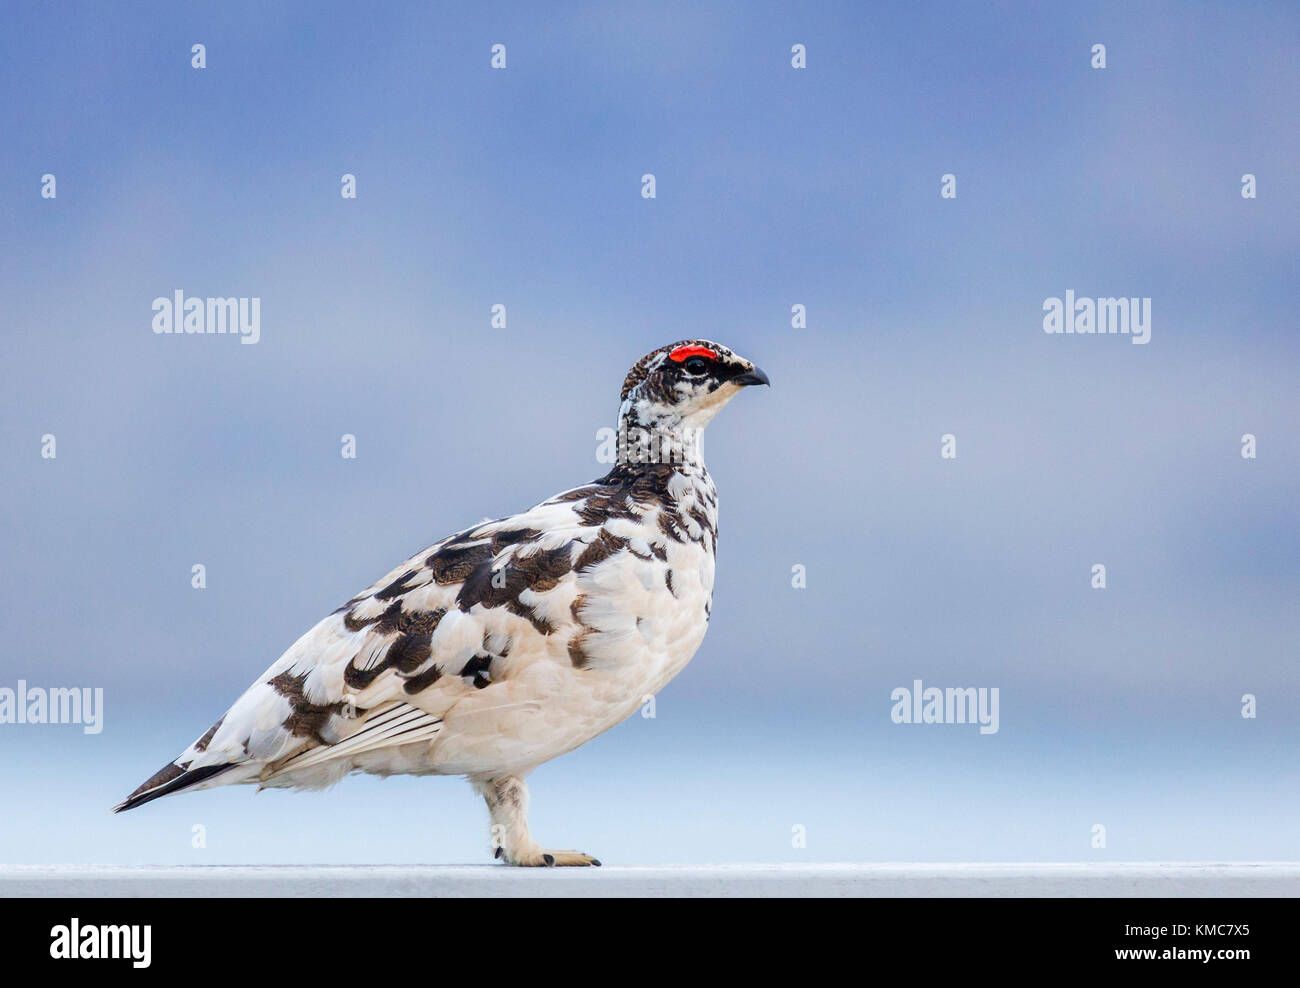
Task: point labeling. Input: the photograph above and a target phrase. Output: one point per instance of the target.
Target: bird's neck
(655, 439)
(660, 457)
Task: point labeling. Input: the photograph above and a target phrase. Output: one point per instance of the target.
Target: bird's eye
(696, 366)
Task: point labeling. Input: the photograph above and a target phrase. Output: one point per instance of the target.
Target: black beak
(756, 376)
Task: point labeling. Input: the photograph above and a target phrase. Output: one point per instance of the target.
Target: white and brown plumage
(508, 643)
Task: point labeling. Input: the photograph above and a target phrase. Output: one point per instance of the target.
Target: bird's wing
(382, 670)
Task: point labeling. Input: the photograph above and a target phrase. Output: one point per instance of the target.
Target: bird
(508, 643)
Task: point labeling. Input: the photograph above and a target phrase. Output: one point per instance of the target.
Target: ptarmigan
(508, 643)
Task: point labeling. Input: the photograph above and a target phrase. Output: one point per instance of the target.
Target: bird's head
(683, 385)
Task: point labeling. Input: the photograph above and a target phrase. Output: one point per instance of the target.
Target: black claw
(549, 859)
(499, 851)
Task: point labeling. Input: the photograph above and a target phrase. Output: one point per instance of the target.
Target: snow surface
(883, 880)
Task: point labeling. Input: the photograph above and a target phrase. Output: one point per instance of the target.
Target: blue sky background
(775, 187)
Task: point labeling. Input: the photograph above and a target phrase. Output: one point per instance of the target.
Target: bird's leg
(507, 800)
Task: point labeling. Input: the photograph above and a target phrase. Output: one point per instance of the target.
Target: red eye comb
(686, 352)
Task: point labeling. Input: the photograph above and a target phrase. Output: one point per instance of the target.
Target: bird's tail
(169, 779)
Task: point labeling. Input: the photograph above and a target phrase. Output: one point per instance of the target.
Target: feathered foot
(507, 800)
